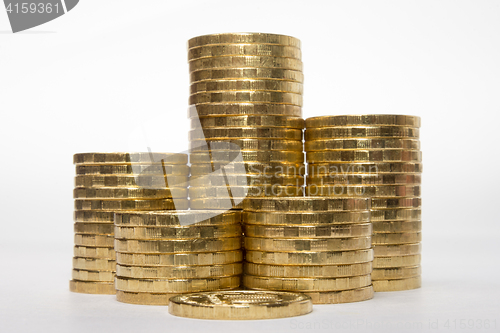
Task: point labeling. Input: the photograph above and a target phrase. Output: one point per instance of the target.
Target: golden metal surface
(361, 143)
(306, 218)
(399, 214)
(247, 144)
(249, 121)
(370, 167)
(179, 272)
(248, 96)
(159, 181)
(367, 179)
(177, 245)
(176, 285)
(364, 190)
(243, 37)
(397, 238)
(320, 271)
(129, 158)
(226, 157)
(397, 250)
(129, 193)
(180, 259)
(144, 298)
(396, 226)
(254, 190)
(361, 132)
(247, 84)
(245, 61)
(397, 285)
(307, 244)
(94, 252)
(243, 49)
(396, 261)
(329, 231)
(390, 203)
(396, 273)
(179, 232)
(244, 180)
(236, 109)
(95, 275)
(358, 155)
(246, 132)
(132, 169)
(114, 205)
(247, 73)
(94, 240)
(91, 287)
(342, 296)
(307, 204)
(174, 218)
(94, 264)
(94, 228)
(364, 120)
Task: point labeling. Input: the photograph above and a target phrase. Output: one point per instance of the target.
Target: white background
(99, 77)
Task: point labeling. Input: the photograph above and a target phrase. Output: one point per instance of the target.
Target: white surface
(89, 80)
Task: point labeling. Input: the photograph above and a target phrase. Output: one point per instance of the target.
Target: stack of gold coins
(109, 182)
(165, 253)
(375, 156)
(316, 245)
(246, 125)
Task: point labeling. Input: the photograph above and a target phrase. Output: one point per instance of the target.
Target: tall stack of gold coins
(316, 245)
(109, 182)
(246, 125)
(162, 254)
(375, 156)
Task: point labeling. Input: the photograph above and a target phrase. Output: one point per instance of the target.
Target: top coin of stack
(246, 125)
(109, 182)
(376, 156)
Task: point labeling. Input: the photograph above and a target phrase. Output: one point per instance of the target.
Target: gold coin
(94, 252)
(364, 120)
(94, 264)
(179, 272)
(129, 193)
(246, 132)
(364, 190)
(306, 284)
(307, 244)
(237, 109)
(132, 169)
(244, 180)
(245, 61)
(396, 261)
(321, 271)
(246, 144)
(248, 84)
(397, 226)
(243, 37)
(247, 73)
(379, 155)
(249, 121)
(92, 287)
(401, 214)
(144, 298)
(397, 285)
(214, 203)
(129, 158)
(396, 273)
(333, 169)
(306, 218)
(397, 250)
(93, 216)
(361, 132)
(240, 305)
(397, 238)
(328, 231)
(177, 245)
(368, 179)
(226, 157)
(242, 191)
(251, 168)
(176, 218)
(84, 275)
(176, 285)
(180, 259)
(361, 143)
(243, 49)
(94, 240)
(307, 204)
(248, 96)
(110, 205)
(179, 232)
(390, 203)
(342, 296)
(94, 228)
(158, 182)
(309, 258)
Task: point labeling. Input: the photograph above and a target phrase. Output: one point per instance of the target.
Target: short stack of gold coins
(245, 111)
(316, 245)
(165, 253)
(376, 156)
(106, 183)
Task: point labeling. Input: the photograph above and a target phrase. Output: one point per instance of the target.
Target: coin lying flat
(240, 305)
(94, 240)
(342, 296)
(246, 144)
(329, 231)
(396, 261)
(251, 168)
(94, 228)
(361, 143)
(91, 287)
(244, 180)
(245, 61)
(364, 190)
(178, 232)
(400, 214)
(307, 244)
(214, 203)
(179, 272)
(364, 120)
(247, 96)
(128, 158)
(367, 179)
(397, 250)
(243, 49)
(388, 203)
(249, 121)
(129, 193)
(397, 238)
(358, 155)
(177, 218)
(85, 275)
(144, 298)
(246, 132)
(248, 84)
(176, 285)
(332, 169)
(247, 73)
(113, 205)
(178, 246)
(248, 155)
(309, 258)
(306, 218)
(132, 169)
(361, 131)
(180, 259)
(306, 284)
(243, 37)
(397, 226)
(94, 264)
(90, 216)
(307, 204)
(242, 191)
(148, 181)
(396, 273)
(94, 252)
(320, 271)
(235, 109)
(397, 285)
